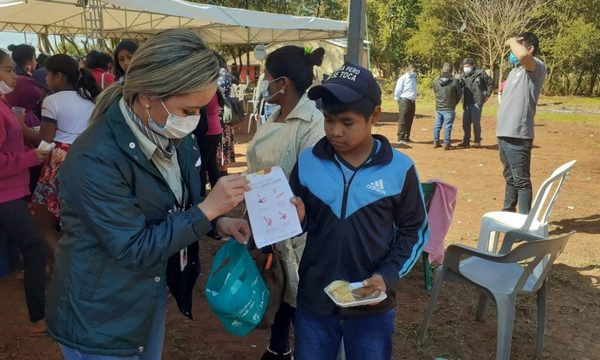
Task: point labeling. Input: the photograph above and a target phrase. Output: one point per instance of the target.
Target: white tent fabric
(142, 18)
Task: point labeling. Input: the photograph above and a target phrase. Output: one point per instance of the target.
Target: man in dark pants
(448, 92)
(516, 119)
(477, 89)
(405, 94)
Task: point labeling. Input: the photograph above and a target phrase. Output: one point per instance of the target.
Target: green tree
(435, 42)
(572, 46)
(390, 25)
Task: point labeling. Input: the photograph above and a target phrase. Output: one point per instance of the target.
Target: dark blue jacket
(119, 230)
(377, 223)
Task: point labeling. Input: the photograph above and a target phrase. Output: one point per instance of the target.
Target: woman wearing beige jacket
(297, 125)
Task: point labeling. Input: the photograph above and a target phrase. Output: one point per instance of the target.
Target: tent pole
(356, 31)
(368, 42)
(248, 59)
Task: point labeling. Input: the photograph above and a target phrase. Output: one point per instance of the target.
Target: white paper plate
(356, 285)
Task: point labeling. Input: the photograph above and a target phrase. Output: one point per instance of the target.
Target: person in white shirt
(65, 115)
(406, 95)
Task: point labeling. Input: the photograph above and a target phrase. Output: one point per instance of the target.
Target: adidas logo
(377, 186)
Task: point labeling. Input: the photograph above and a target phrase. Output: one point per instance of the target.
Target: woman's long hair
(172, 62)
(80, 79)
(123, 45)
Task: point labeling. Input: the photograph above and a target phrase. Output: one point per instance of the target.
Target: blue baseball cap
(348, 84)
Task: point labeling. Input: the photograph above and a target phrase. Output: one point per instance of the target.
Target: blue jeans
(472, 115)
(365, 337)
(445, 118)
(515, 155)
(153, 349)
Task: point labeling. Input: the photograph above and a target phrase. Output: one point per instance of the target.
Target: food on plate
(366, 292)
(341, 291)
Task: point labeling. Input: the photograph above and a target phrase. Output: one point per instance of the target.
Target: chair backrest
(234, 90)
(546, 196)
(241, 91)
(537, 252)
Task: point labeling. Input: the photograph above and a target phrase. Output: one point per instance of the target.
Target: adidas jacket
(375, 224)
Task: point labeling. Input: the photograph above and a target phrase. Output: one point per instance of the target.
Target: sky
(7, 38)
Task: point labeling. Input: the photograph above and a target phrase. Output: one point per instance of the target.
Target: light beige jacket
(279, 144)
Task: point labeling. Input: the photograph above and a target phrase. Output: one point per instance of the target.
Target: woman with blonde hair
(131, 211)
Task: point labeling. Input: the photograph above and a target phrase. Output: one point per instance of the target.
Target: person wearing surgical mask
(477, 88)
(16, 223)
(296, 125)
(516, 114)
(130, 205)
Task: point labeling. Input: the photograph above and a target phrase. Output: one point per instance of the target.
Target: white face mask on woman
(467, 69)
(176, 127)
(264, 89)
(4, 88)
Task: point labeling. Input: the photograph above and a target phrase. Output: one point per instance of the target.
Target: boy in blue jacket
(362, 207)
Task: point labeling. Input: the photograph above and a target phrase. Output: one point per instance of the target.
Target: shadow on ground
(589, 224)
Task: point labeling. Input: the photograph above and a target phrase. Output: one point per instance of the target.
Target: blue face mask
(513, 59)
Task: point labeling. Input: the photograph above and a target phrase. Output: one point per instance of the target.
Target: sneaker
(436, 144)
(447, 147)
(409, 140)
(402, 142)
(272, 355)
(477, 145)
(464, 145)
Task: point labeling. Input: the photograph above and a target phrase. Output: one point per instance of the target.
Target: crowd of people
(116, 208)
(515, 131)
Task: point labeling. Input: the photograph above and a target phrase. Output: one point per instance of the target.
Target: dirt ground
(574, 296)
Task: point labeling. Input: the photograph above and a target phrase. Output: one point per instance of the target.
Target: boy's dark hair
(97, 59)
(21, 53)
(364, 106)
(128, 45)
(296, 64)
(529, 39)
(80, 79)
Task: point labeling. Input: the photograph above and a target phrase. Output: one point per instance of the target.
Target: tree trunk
(594, 78)
(579, 82)
(550, 81)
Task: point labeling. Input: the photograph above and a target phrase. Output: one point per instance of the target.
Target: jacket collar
(130, 145)
(147, 146)
(324, 150)
(304, 110)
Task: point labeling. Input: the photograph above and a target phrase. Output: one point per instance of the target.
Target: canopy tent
(138, 19)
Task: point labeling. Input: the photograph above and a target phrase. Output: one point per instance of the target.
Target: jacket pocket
(93, 276)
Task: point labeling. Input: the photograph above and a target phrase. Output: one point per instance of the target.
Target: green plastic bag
(235, 290)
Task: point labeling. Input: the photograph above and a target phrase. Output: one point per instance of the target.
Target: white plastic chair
(536, 222)
(501, 277)
(241, 93)
(257, 106)
(234, 90)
